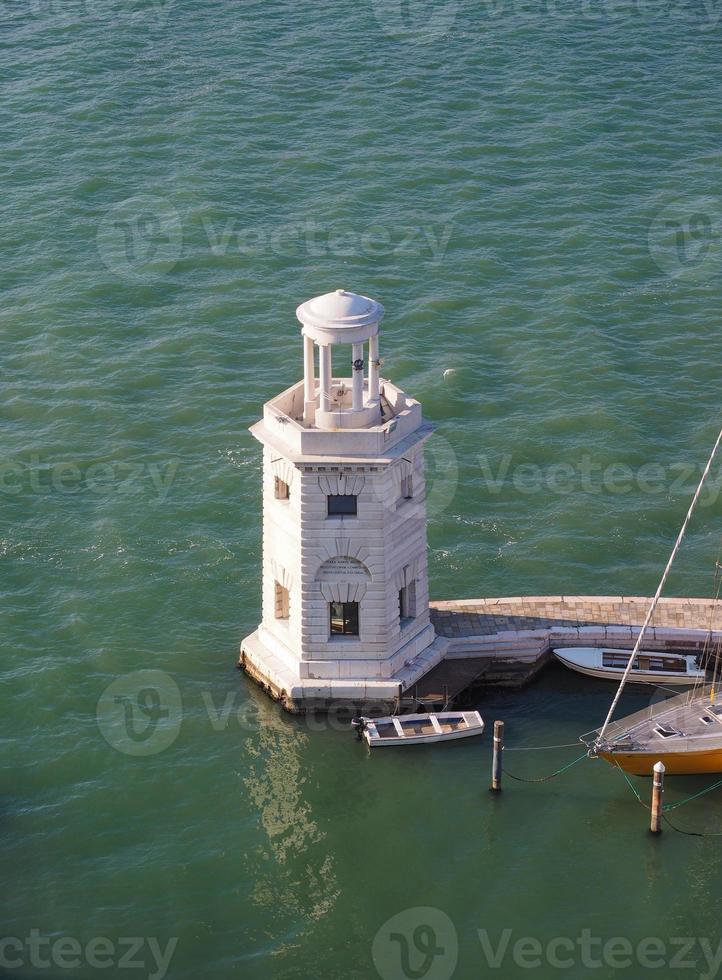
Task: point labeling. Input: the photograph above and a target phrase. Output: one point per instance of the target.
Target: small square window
(343, 618)
(407, 487)
(281, 489)
(342, 505)
(283, 602)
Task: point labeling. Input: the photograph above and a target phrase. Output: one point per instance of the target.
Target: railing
(626, 725)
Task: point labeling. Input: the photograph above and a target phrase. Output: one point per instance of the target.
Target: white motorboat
(649, 667)
(419, 729)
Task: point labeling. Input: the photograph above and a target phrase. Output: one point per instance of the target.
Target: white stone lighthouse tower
(345, 590)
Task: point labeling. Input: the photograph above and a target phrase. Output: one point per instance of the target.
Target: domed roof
(340, 310)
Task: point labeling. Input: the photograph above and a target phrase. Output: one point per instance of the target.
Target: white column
(309, 379)
(324, 370)
(374, 368)
(358, 377)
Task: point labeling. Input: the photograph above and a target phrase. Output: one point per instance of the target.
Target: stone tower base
(299, 695)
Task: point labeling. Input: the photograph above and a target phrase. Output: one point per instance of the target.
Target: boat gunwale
(692, 673)
(472, 720)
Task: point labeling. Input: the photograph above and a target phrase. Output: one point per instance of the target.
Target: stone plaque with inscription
(341, 570)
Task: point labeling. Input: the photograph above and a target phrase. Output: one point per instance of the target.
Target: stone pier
(507, 641)
(513, 635)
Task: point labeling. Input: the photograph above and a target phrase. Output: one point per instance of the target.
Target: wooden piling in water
(496, 762)
(655, 824)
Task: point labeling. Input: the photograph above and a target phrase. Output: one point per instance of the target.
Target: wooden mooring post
(655, 825)
(496, 762)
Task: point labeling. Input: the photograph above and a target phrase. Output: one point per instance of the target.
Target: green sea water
(533, 192)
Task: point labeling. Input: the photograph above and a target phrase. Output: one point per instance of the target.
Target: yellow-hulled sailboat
(683, 732)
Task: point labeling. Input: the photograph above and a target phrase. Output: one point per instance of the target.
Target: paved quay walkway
(486, 617)
(511, 637)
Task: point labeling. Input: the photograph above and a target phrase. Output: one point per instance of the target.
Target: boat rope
(711, 646)
(702, 792)
(666, 807)
(690, 833)
(658, 593)
(540, 748)
(632, 786)
(714, 646)
(543, 779)
(667, 690)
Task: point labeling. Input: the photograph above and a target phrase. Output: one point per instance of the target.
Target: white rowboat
(649, 667)
(420, 729)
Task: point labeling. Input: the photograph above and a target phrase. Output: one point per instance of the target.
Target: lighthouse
(345, 612)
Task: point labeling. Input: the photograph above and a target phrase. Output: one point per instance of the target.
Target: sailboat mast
(658, 593)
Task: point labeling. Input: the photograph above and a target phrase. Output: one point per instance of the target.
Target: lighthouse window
(283, 599)
(342, 505)
(407, 487)
(281, 489)
(343, 618)
(407, 603)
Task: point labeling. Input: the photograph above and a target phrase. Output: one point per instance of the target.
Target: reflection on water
(295, 873)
